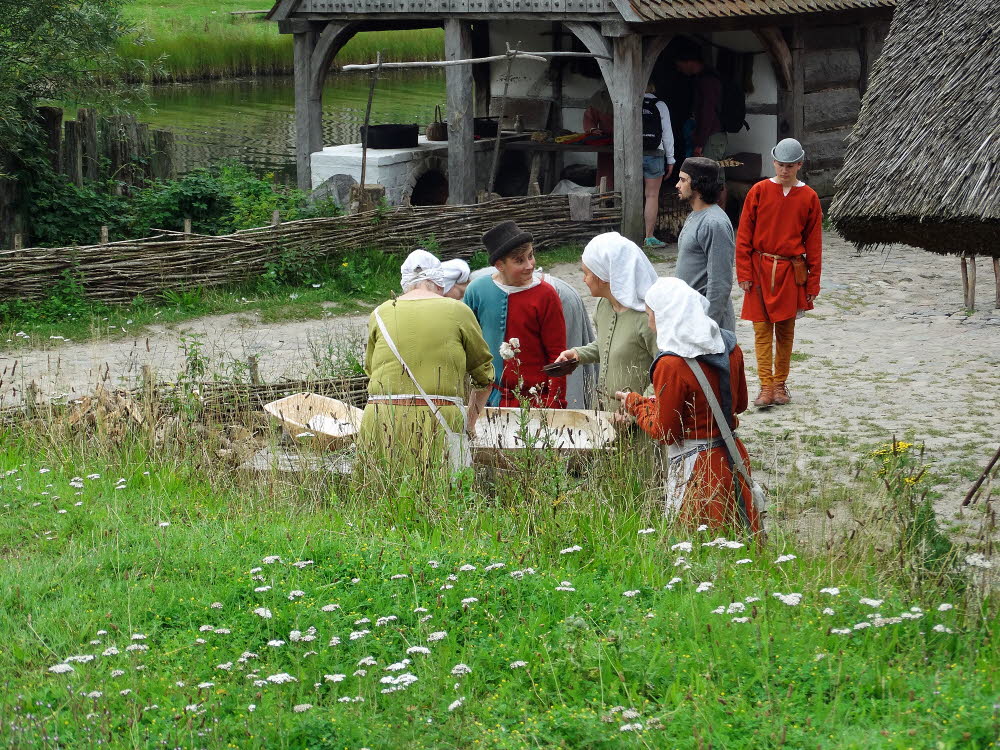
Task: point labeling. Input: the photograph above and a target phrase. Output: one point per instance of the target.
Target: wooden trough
(574, 432)
(315, 420)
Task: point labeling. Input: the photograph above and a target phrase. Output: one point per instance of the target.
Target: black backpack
(733, 106)
(652, 128)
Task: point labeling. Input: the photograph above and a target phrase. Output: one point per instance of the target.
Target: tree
(63, 50)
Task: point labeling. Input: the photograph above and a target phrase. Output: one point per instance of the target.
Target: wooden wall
(834, 64)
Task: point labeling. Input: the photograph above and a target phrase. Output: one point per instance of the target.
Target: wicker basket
(294, 412)
(568, 431)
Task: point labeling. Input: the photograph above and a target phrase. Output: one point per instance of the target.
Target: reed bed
(120, 271)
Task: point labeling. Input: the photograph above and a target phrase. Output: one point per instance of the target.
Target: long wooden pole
(535, 56)
(996, 275)
(982, 478)
(511, 54)
(368, 117)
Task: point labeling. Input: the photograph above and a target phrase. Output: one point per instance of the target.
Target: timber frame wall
(821, 62)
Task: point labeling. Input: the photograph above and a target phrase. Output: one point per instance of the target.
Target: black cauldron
(391, 136)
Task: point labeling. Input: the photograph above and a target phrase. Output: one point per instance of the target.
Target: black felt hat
(503, 238)
(701, 166)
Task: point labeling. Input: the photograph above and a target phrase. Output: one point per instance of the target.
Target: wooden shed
(806, 68)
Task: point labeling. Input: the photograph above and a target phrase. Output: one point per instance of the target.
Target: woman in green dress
(422, 346)
(617, 272)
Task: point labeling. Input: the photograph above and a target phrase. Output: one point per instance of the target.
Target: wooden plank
(798, 85)
(626, 89)
(72, 158)
(91, 158)
(162, 157)
(49, 120)
(460, 101)
(481, 78)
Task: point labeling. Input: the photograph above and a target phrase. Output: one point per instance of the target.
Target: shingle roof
(923, 162)
(661, 10)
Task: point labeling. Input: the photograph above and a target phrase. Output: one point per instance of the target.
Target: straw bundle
(118, 272)
(923, 163)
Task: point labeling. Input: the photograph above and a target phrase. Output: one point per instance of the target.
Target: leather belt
(410, 401)
(774, 266)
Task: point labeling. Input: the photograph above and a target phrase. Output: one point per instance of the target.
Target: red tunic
(535, 318)
(785, 225)
(680, 412)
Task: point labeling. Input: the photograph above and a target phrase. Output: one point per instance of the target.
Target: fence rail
(118, 272)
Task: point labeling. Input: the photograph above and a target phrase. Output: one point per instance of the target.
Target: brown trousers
(772, 369)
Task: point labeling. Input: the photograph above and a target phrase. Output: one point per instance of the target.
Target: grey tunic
(706, 253)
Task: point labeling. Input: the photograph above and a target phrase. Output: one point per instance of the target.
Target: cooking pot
(391, 136)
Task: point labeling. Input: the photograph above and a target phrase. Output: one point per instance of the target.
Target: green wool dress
(625, 348)
(441, 342)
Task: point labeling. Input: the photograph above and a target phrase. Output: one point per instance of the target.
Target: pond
(253, 120)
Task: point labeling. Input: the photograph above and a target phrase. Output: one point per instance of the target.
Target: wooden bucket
(575, 432)
(294, 413)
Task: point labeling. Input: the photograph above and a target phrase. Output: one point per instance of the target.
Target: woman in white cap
(700, 483)
(617, 272)
(421, 347)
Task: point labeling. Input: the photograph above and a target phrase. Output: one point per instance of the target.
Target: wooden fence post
(275, 218)
(18, 241)
(996, 276)
(971, 304)
(87, 120)
(104, 235)
(253, 364)
(73, 153)
(50, 121)
(187, 225)
(162, 158)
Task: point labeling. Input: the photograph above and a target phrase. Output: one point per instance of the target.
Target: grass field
(192, 39)
(153, 595)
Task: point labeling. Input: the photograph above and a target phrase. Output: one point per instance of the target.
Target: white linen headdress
(682, 323)
(419, 266)
(455, 271)
(617, 259)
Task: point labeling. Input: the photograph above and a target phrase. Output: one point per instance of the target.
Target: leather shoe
(781, 394)
(765, 397)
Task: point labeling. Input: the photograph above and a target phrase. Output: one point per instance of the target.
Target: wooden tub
(575, 432)
(294, 413)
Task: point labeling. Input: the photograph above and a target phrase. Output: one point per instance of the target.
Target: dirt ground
(888, 351)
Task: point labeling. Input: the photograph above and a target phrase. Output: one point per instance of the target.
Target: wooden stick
(972, 283)
(104, 235)
(996, 275)
(438, 63)
(982, 478)
(187, 226)
(965, 282)
(18, 241)
(511, 54)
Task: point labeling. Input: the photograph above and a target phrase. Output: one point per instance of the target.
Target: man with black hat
(779, 257)
(522, 321)
(706, 247)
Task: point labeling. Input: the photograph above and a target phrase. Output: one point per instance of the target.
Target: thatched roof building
(923, 162)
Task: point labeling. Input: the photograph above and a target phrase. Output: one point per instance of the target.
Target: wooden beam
(308, 112)
(652, 48)
(626, 91)
(461, 100)
(798, 84)
(868, 52)
(779, 54)
(282, 10)
(331, 40)
(596, 44)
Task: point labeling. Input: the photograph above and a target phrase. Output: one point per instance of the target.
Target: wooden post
(555, 123)
(275, 218)
(50, 121)
(481, 72)
(625, 90)
(798, 85)
(965, 283)
(73, 153)
(187, 225)
(308, 118)
(104, 235)
(31, 399)
(162, 158)
(18, 241)
(91, 159)
(971, 304)
(996, 276)
(253, 365)
(461, 100)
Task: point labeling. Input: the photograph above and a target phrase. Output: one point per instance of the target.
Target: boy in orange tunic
(781, 228)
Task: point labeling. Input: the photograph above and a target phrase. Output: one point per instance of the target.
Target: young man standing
(706, 246)
(522, 321)
(779, 256)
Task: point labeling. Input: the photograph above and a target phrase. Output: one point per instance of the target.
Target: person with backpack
(658, 136)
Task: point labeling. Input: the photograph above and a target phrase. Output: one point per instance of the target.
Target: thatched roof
(923, 163)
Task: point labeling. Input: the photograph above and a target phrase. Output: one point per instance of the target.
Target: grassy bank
(153, 595)
(196, 39)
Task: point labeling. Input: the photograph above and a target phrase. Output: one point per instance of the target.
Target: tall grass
(529, 607)
(194, 45)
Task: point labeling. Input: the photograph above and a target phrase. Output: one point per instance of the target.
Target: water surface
(253, 120)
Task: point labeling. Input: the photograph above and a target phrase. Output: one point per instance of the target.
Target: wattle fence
(117, 272)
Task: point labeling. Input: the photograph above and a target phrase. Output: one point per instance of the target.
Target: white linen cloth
(419, 266)
(455, 271)
(618, 260)
(682, 323)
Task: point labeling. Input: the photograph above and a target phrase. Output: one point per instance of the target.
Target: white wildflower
(871, 602)
(740, 619)
(646, 531)
(360, 672)
(862, 625)
(568, 550)
(95, 694)
(126, 691)
(263, 612)
(636, 727)
(831, 590)
(117, 672)
(703, 587)
(494, 566)
(785, 558)
(455, 704)
(752, 599)
(293, 595)
(460, 669)
(792, 600)
(252, 707)
(329, 607)
(274, 643)
(357, 634)
(261, 589)
(216, 605)
(271, 559)
(398, 577)
(437, 636)
(137, 647)
(281, 678)
(939, 628)
(945, 607)
(469, 601)
(828, 611)
(841, 631)
(205, 685)
(302, 564)
(418, 650)
(61, 668)
(334, 677)
(398, 666)
(164, 524)
(631, 593)
(518, 664)
(682, 546)
(368, 661)
(736, 607)
(302, 707)
(466, 568)
(334, 641)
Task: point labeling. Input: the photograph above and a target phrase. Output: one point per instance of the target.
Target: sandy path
(888, 351)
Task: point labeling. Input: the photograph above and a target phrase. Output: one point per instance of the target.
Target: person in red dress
(700, 480)
(522, 320)
(779, 257)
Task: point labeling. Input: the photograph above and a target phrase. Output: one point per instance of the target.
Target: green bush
(62, 213)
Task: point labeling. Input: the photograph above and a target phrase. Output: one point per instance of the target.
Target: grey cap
(788, 151)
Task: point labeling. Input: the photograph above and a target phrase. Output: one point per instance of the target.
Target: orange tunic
(680, 412)
(773, 223)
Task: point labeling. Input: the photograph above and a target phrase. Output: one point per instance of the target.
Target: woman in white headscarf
(424, 342)
(619, 273)
(700, 486)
